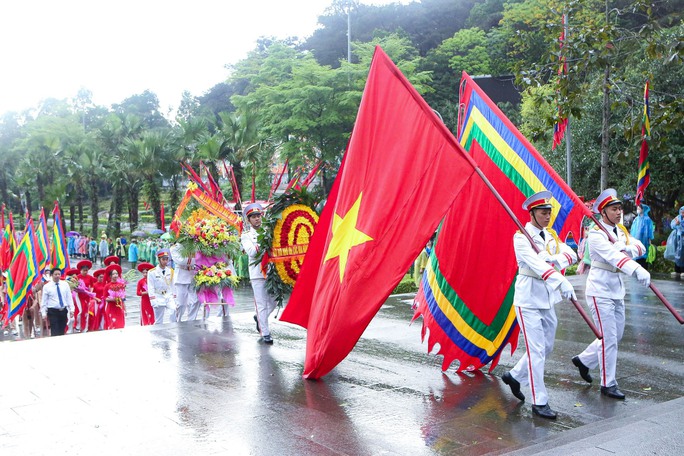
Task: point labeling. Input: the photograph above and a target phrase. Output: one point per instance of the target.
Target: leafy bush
(407, 285)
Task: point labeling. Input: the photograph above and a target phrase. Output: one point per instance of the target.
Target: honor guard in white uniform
(265, 304)
(186, 295)
(160, 288)
(538, 287)
(606, 290)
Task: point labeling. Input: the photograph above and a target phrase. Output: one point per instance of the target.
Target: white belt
(529, 273)
(604, 266)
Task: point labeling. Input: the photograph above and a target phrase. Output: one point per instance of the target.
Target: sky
(51, 49)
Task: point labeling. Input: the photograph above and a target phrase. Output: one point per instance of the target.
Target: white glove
(567, 291)
(620, 246)
(643, 276)
(544, 256)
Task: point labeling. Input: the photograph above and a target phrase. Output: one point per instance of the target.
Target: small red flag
(161, 216)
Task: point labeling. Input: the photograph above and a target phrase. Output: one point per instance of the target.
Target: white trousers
(264, 303)
(186, 297)
(159, 314)
(539, 331)
(609, 316)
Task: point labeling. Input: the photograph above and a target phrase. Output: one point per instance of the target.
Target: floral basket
(214, 280)
(217, 275)
(209, 235)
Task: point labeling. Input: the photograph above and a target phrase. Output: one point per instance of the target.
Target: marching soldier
(606, 290)
(538, 287)
(160, 287)
(264, 302)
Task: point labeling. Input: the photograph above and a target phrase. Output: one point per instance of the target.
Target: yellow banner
(216, 208)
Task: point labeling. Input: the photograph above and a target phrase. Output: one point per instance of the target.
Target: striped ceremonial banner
(58, 253)
(22, 273)
(644, 174)
(42, 234)
(466, 294)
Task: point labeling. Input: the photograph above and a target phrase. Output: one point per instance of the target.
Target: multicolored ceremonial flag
(22, 273)
(562, 121)
(644, 174)
(401, 172)
(59, 256)
(42, 241)
(466, 295)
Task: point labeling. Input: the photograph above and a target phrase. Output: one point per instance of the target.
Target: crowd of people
(81, 299)
(143, 249)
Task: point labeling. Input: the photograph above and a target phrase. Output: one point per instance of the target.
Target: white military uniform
(264, 302)
(537, 289)
(186, 295)
(605, 295)
(161, 291)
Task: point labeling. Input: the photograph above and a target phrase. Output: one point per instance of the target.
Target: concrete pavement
(212, 388)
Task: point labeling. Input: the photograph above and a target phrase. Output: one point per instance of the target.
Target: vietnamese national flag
(402, 170)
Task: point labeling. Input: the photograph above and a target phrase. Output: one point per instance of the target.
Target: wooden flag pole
(522, 229)
(653, 288)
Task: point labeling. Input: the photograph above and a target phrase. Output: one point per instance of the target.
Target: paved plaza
(211, 387)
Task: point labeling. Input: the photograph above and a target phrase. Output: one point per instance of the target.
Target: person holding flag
(606, 290)
(538, 288)
(57, 304)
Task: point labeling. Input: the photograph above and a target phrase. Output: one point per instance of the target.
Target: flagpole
(653, 288)
(522, 229)
(568, 153)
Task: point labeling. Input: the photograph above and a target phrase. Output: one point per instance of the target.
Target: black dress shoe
(257, 323)
(544, 411)
(583, 370)
(612, 391)
(268, 340)
(514, 385)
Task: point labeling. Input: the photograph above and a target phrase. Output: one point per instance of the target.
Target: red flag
(276, 181)
(161, 216)
(6, 248)
(403, 168)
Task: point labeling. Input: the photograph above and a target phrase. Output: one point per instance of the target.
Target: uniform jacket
(606, 284)
(184, 267)
(544, 292)
(160, 287)
(251, 246)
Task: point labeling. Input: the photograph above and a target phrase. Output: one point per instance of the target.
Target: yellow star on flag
(345, 236)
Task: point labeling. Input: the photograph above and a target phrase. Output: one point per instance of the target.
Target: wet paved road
(212, 388)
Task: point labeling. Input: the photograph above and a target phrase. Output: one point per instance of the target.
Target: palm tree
(154, 161)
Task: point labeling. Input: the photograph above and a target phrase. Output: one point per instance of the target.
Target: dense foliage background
(297, 98)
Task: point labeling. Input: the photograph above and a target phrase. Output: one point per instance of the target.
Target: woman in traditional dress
(146, 310)
(97, 315)
(114, 294)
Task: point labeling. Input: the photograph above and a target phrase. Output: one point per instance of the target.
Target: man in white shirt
(57, 304)
(606, 290)
(538, 288)
(160, 288)
(265, 304)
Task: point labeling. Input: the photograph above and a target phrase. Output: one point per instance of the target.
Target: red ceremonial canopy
(402, 170)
